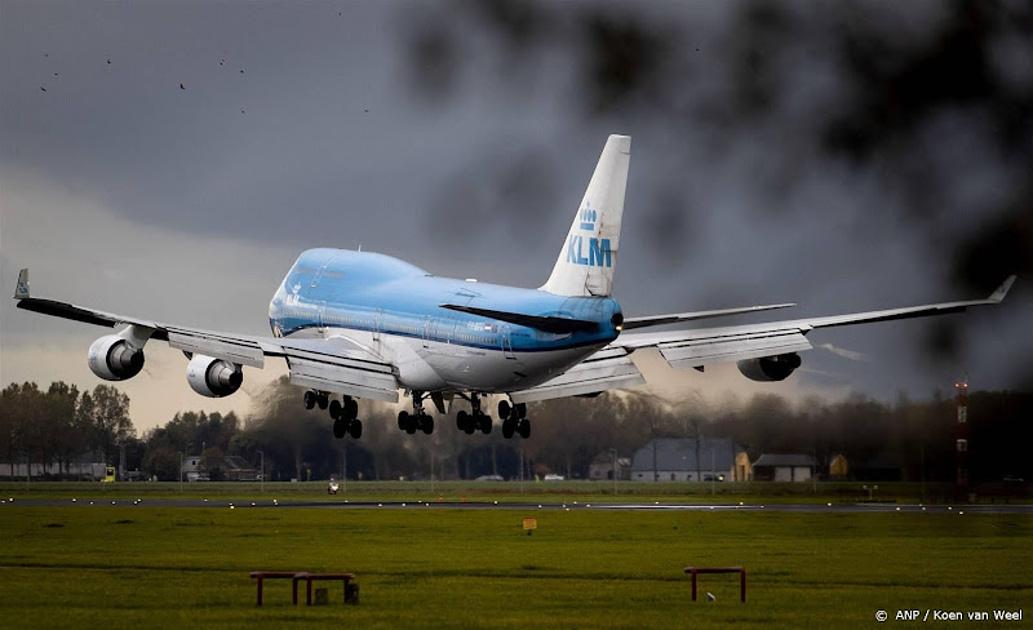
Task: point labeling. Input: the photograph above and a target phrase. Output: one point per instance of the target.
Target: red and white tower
(961, 436)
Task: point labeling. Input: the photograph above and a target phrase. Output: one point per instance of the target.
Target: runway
(346, 504)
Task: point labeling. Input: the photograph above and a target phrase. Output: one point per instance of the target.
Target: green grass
(138, 566)
(510, 492)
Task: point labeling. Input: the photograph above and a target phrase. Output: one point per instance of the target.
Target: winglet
(1002, 291)
(21, 290)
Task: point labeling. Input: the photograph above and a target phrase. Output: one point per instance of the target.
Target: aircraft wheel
(524, 428)
(485, 422)
(403, 420)
(504, 409)
(520, 411)
(335, 409)
(322, 401)
(309, 399)
(428, 425)
(351, 409)
(355, 429)
(508, 428)
(461, 420)
(340, 428)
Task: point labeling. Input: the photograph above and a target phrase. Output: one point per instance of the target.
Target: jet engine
(213, 377)
(113, 359)
(776, 368)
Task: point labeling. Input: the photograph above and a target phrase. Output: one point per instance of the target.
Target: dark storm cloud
(854, 156)
(501, 188)
(857, 112)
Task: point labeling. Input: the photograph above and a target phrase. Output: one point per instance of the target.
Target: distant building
(674, 459)
(89, 466)
(230, 468)
(602, 467)
(786, 467)
(839, 467)
(743, 468)
(193, 469)
(237, 469)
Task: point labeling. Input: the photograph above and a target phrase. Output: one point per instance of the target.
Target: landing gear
(418, 420)
(475, 421)
(313, 398)
(344, 412)
(413, 422)
(514, 420)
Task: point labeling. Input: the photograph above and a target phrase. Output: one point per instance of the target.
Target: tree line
(61, 424)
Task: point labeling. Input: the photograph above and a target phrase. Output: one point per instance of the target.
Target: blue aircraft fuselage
(364, 291)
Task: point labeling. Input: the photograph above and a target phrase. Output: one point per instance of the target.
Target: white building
(789, 467)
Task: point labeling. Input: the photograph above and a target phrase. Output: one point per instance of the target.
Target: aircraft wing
(631, 323)
(609, 368)
(337, 365)
(703, 346)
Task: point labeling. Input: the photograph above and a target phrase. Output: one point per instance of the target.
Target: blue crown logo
(588, 218)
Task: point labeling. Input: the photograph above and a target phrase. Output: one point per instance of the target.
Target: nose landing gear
(476, 420)
(418, 420)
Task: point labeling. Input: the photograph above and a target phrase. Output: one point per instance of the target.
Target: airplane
(353, 324)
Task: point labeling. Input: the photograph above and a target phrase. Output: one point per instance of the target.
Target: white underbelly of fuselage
(428, 366)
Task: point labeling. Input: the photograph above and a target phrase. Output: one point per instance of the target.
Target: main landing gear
(477, 420)
(514, 419)
(343, 412)
(418, 420)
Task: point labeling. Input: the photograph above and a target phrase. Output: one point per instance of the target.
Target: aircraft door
(426, 331)
(321, 319)
(505, 342)
(318, 276)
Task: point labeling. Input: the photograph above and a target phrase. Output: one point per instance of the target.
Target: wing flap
(343, 378)
(700, 352)
(242, 351)
(610, 368)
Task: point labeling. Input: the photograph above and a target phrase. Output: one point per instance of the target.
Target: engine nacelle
(113, 359)
(777, 368)
(213, 377)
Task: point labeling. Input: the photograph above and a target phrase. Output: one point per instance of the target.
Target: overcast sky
(871, 156)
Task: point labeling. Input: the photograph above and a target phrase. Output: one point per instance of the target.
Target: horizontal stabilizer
(558, 325)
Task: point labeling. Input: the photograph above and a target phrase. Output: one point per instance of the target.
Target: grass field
(137, 566)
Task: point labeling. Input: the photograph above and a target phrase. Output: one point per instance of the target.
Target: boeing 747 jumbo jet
(364, 325)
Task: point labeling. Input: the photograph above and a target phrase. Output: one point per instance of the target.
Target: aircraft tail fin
(588, 258)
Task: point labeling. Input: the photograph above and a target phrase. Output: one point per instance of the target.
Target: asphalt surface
(345, 504)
